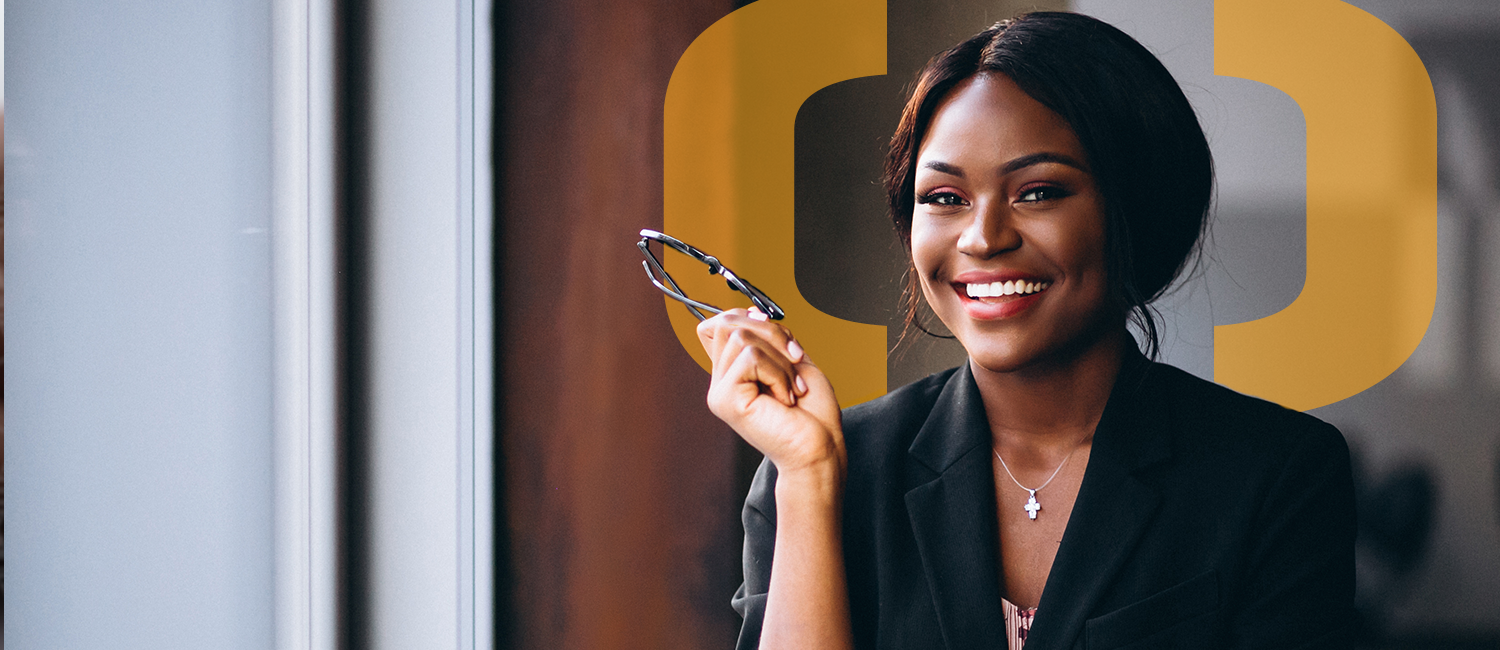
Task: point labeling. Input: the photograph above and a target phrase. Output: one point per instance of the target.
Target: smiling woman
(1003, 197)
(1059, 490)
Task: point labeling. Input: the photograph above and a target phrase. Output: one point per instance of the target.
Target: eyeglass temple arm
(692, 305)
(675, 292)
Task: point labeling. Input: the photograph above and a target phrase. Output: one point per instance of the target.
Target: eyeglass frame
(762, 301)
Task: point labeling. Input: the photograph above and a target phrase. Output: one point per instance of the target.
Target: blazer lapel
(953, 517)
(1110, 513)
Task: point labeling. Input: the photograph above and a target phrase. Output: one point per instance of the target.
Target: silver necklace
(1031, 505)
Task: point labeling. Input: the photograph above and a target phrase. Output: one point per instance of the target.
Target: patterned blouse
(1017, 623)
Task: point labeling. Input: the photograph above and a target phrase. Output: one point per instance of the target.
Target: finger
(794, 350)
(817, 396)
(773, 371)
(776, 333)
(754, 371)
(777, 381)
(710, 333)
(713, 332)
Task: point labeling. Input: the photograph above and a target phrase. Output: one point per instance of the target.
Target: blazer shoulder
(1204, 406)
(914, 400)
(894, 418)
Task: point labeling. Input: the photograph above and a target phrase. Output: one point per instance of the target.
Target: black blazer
(1206, 519)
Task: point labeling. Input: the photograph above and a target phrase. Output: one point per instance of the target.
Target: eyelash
(940, 198)
(1047, 192)
(1043, 192)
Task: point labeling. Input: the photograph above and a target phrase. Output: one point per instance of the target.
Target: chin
(1005, 354)
(1008, 361)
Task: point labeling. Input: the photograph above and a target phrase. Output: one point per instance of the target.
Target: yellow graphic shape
(731, 108)
(1371, 281)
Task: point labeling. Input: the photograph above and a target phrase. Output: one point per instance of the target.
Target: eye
(940, 198)
(1039, 193)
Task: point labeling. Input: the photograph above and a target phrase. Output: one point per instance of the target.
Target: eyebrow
(945, 168)
(1016, 164)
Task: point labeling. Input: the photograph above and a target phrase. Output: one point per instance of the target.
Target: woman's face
(1008, 229)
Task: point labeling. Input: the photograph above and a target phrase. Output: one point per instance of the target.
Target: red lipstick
(991, 303)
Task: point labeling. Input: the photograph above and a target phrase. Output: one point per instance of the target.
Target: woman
(1059, 490)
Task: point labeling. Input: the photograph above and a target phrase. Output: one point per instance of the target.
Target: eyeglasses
(654, 269)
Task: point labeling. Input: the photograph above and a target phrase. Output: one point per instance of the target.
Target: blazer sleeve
(1299, 589)
(759, 518)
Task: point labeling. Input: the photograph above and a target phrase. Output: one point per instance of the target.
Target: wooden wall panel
(618, 485)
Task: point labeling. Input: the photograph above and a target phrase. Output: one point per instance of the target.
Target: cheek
(926, 256)
(1076, 245)
(926, 248)
(1082, 253)
(1091, 248)
(1086, 251)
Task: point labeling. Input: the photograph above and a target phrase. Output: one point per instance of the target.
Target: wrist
(815, 484)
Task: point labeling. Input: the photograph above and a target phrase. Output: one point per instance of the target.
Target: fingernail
(801, 386)
(756, 314)
(794, 351)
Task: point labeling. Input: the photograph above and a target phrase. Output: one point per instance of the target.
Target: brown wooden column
(621, 522)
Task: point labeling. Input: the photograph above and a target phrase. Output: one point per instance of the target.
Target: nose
(991, 231)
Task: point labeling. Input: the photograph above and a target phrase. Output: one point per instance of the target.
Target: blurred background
(502, 443)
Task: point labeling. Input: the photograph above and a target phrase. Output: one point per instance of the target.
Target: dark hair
(1137, 128)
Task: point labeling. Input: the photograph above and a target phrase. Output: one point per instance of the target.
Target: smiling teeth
(1008, 288)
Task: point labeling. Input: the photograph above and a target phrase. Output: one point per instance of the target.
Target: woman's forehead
(988, 119)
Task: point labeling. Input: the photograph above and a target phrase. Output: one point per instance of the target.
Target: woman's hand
(777, 400)
(765, 387)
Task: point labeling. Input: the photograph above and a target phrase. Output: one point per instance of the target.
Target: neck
(1042, 412)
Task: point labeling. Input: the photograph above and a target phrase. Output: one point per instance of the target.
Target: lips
(989, 296)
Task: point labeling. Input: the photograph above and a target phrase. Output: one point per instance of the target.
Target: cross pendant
(1031, 505)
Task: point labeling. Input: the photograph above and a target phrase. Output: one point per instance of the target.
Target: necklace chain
(1032, 506)
(1044, 484)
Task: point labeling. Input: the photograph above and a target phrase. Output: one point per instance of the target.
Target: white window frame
(429, 500)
